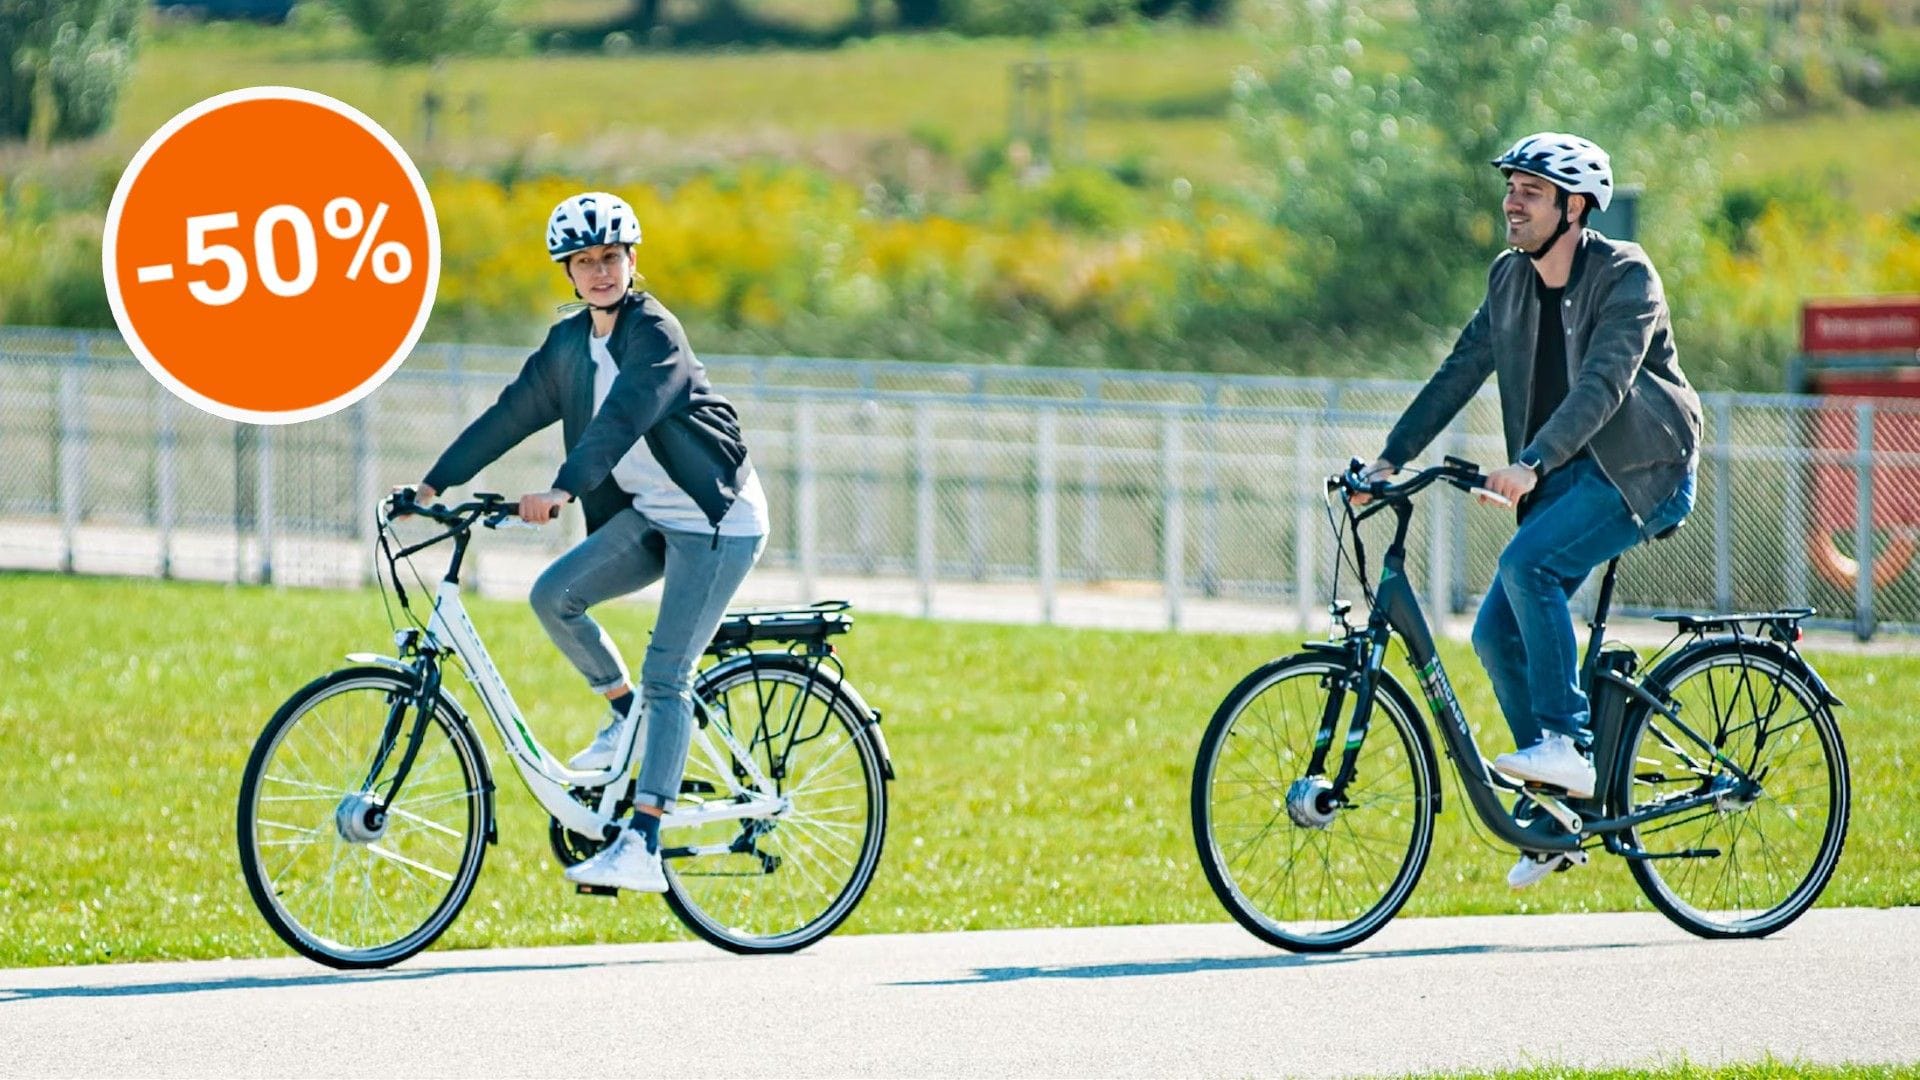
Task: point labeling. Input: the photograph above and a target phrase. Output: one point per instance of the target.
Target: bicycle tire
(717, 897)
(1690, 890)
(408, 858)
(1230, 863)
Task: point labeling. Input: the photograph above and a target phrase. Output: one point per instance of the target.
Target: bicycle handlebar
(1459, 472)
(494, 507)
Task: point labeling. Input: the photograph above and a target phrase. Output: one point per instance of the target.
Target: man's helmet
(587, 219)
(1569, 161)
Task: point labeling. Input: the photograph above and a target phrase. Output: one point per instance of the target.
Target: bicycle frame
(1396, 609)
(450, 632)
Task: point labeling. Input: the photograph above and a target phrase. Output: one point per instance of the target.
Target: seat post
(1598, 626)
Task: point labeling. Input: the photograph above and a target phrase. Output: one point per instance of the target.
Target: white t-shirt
(655, 495)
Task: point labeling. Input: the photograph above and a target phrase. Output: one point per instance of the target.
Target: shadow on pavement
(1245, 963)
(262, 982)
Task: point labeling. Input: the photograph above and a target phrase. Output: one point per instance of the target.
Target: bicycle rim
(1326, 884)
(335, 889)
(787, 880)
(1777, 848)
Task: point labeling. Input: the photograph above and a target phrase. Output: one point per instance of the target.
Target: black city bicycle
(367, 805)
(1721, 776)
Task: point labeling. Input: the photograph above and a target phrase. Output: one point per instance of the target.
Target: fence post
(1305, 583)
(263, 504)
(1439, 528)
(72, 434)
(867, 500)
(1047, 509)
(1723, 502)
(366, 485)
(1210, 495)
(1173, 523)
(976, 487)
(1794, 507)
(924, 510)
(1090, 494)
(164, 477)
(804, 497)
(1863, 521)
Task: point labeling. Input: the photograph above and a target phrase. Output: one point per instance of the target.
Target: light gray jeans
(625, 555)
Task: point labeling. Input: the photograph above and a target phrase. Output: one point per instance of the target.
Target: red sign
(1880, 324)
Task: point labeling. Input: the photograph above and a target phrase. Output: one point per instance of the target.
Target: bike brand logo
(1440, 696)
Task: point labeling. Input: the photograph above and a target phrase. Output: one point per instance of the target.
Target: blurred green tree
(66, 60)
(1377, 159)
(414, 31)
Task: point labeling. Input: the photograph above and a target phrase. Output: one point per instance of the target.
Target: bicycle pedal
(596, 890)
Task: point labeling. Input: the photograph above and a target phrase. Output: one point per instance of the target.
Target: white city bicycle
(368, 802)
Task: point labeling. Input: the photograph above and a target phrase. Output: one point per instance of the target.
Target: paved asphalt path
(1424, 994)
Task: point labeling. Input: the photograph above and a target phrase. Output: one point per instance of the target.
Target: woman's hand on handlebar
(1381, 469)
(540, 508)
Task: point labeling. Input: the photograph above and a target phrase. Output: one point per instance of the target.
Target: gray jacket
(661, 395)
(1626, 402)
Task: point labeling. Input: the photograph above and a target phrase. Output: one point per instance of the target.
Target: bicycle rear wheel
(1289, 865)
(339, 881)
(780, 883)
(1779, 839)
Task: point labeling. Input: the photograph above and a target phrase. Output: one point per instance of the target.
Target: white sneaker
(624, 864)
(1535, 865)
(1553, 761)
(606, 746)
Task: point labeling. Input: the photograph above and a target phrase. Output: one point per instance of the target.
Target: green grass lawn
(1043, 773)
(1161, 94)
(1866, 156)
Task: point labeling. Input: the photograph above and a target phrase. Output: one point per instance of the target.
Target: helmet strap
(1559, 200)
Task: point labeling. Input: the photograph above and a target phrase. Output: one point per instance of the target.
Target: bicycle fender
(869, 716)
(1772, 650)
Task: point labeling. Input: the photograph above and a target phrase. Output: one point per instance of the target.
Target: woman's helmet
(1568, 161)
(587, 219)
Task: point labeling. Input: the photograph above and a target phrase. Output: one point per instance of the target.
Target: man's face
(600, 272)
(1530, 211)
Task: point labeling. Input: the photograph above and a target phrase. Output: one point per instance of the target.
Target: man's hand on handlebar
(1511, 482)
(540, 508)
(1381, 469)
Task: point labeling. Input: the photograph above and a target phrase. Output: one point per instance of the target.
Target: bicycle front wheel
(1755, 855)
(779, 883)
(1295, 866)
(339, 880)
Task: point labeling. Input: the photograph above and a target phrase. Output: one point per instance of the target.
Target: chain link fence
(1164, 487)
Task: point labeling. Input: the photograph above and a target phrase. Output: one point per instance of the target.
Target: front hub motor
(1310, 802)
(360, 819)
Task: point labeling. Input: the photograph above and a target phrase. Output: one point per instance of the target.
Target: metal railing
(1179, 486)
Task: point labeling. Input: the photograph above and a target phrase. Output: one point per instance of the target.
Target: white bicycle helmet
(587, 219)
(1568, 161)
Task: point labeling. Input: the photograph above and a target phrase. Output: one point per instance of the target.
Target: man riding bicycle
(1601, 427)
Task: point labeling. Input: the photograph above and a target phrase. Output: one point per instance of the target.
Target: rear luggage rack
(812, 624)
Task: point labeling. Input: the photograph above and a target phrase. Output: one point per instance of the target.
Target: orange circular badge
(271, 255)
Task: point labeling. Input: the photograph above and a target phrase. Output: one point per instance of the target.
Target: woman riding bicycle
(656, 459)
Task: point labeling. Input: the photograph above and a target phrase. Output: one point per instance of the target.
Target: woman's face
(600, 273)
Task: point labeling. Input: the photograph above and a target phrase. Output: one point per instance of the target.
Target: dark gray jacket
(1626, 399)
(661, 395)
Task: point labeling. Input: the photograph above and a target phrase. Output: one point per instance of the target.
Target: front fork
(1365, 654)
(426, 672)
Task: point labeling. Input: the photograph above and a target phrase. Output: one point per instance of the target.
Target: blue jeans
(1524, 633)
(625, 555)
